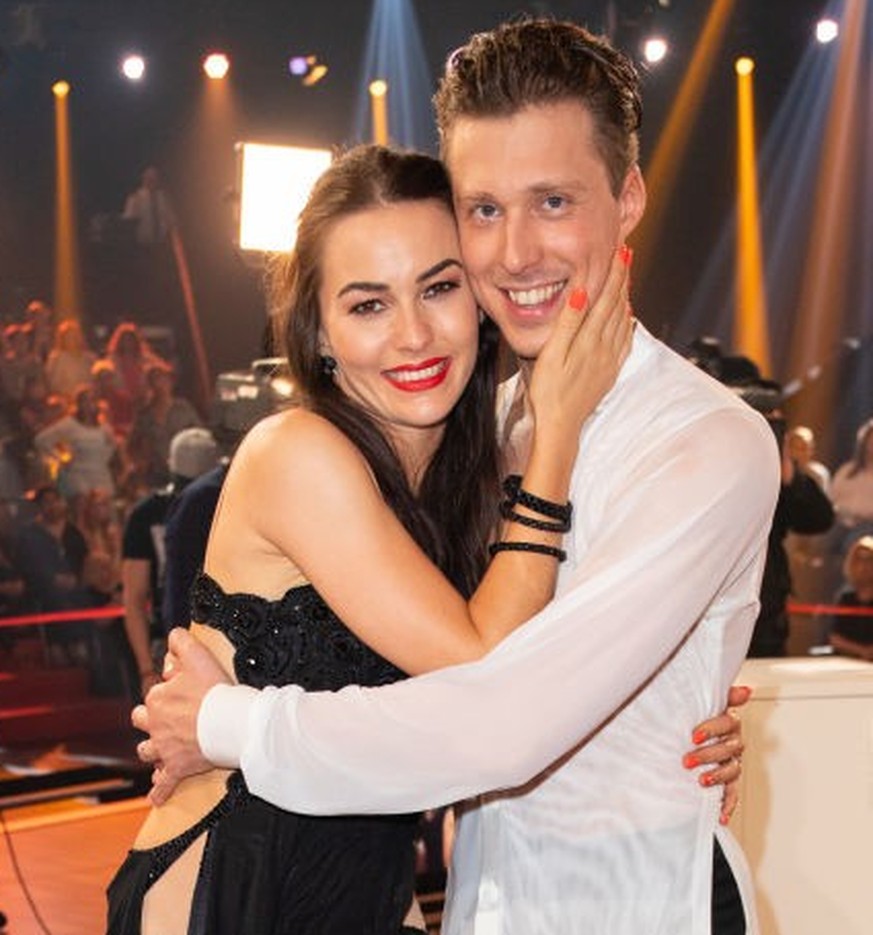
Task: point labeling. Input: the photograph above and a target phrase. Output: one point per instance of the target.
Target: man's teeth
(535, 296)
(410, 376)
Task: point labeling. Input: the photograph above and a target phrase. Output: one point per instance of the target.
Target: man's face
(536, 214)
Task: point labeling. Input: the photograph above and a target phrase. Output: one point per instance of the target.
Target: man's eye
(554, 202)
(484, 212)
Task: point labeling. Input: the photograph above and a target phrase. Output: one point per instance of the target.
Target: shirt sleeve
(682, 523)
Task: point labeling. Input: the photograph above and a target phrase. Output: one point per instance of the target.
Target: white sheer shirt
(673, 492)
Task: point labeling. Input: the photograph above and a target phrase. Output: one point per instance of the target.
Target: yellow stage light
(61, 88)
(216, 65)
(744, 65)
(272, 176)
(379, 108)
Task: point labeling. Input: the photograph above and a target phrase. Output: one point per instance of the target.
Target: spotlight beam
(751, 334)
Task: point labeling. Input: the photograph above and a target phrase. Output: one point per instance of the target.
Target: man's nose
(521, 249)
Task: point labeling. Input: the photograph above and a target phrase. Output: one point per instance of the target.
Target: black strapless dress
(266, 871)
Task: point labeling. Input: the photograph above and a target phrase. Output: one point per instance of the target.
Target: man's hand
(169, 714)
(720, 744)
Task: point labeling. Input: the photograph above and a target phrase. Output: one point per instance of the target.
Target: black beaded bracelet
(518, 495)
(538, 547)
(507, 511)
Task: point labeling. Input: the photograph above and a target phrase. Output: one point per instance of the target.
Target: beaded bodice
(296, 639)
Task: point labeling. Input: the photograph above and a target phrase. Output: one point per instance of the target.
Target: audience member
(39, 320)
(807, 554)
(150, 209)
(162, 417)
(51, 555)
(115, 404)
(131, 356)
(801, 450)
(18, 363)
(188, 522)
(81, 448)
(70, 360)
(852, 635)
(852, 487)
(802, 507)
(143, 565)
(97, 522)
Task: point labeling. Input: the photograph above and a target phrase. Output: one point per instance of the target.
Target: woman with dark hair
(351, 539)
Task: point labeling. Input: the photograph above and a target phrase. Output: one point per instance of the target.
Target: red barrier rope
(63, 616)
(110, 613)
(836, 610)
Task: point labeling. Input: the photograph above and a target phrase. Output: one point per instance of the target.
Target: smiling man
(579, 718)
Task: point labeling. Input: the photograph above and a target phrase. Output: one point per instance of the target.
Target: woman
(70, 360)
(398, 405)
(82, 447)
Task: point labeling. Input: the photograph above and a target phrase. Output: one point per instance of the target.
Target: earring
(328, 365)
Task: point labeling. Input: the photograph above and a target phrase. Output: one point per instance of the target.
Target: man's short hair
(531, 62)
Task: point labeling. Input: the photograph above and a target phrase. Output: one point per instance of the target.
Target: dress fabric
(266, 871)
(580, 717)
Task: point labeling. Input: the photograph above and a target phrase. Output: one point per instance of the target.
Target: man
(673, 490)
(193, 452)
(150, 210)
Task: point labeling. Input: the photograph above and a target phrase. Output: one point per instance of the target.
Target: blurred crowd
(86, 430)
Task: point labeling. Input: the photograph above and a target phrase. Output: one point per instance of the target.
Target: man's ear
(631, 200)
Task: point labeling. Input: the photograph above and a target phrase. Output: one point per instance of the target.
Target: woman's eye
(367, 307)
(441, 288)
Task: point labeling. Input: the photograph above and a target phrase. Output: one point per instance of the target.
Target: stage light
(61, 88)
(379, 104)
(298, 65)
(216, 65)
(654, 50)
(271, 176)
(316, 73)
(744, 65)
(307, 68)
(826, 30)
(133, 67)
(394, 52)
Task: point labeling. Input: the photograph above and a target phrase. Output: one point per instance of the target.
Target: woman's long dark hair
(454, 512)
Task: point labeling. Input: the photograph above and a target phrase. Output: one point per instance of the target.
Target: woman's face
(398, 316)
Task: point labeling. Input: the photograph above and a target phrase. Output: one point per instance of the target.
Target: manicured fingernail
(707, 780)
(699, 735)
(578, 299)
(723, 819)
(625, 254)
(690, 760)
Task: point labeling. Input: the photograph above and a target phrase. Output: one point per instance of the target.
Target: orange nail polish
(690, 760)
(578, 299)
(625, 254)
(707, 780)
(699, 735)
(724, 819)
